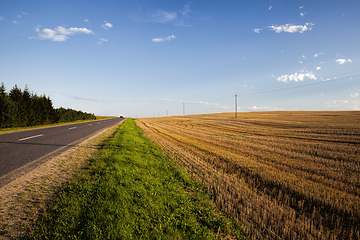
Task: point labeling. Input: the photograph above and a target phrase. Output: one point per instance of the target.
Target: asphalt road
(23, 151)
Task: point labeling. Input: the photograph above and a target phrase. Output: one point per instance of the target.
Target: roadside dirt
(23, 199)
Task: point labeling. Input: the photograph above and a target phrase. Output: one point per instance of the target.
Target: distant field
(283, 175)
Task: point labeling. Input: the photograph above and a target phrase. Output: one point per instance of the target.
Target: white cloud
(86, 20)
(322, 62)
(266, 108)
(355, 95)
(168, 38)
(292, 28)
(302, 14)
(318, 68)
(59, 34)
(270, 7)
(317, 54)
(101, 40)
(300, 61)
(18, 16)
(299, 76)
(257, 30)
(301, 7)
(342, 61)
(106, 25)
(24, 13)
(15, 22)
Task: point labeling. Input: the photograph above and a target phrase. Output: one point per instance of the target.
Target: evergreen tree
(22, 108)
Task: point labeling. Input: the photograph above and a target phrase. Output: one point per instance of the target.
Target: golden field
(282, 175)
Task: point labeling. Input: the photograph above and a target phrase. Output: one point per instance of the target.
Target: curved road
(23, 151)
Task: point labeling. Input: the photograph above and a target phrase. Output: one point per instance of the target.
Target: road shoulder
(23, 199)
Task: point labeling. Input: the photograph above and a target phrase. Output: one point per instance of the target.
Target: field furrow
(282, 174)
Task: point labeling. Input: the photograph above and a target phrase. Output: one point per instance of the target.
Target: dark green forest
(20, 108)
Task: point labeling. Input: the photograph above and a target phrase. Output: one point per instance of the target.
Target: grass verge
(133, 191)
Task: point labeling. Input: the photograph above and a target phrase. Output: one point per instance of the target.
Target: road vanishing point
(22, 151)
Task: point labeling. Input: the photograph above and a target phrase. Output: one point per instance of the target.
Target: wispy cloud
(257, 30)
(1, 18)
(292, 28)
(301, 7)
(102, 40)
(178, 18)
(157, 16)
(15, 22)
(87, 20)
(106, 25)
(297, 77)
(343, 105)
(317, 54)
(318, 68)
(168, 38)
(208, 104)
(270, 7)
(185, 15)
(60, 34)
(20, 15)
(92, 99)
(342, 61)
(302, 14)
(355, 95)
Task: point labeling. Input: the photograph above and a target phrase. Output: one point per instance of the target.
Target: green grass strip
(133, 191)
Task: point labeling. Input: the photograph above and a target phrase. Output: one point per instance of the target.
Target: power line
(283, 89)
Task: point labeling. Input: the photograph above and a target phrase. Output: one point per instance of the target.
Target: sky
(159, 58)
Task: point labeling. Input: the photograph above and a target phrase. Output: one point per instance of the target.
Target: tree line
(20, 108)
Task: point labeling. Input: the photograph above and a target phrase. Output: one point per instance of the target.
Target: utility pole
(183, 109)
(235, 105)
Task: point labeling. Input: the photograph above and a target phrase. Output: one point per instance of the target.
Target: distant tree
(15, 106)
(25, 109)
(4, 107)
(22, 108)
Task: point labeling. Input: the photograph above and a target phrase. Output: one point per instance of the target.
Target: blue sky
(148, 58)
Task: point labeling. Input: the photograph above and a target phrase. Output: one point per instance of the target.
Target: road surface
(23, 151)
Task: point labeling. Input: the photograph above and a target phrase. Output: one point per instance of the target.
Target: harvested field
(283, 175)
